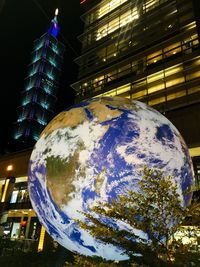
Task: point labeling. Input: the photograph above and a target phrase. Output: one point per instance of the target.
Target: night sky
(21, 22)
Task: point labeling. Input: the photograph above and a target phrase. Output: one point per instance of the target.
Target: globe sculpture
(94, 151)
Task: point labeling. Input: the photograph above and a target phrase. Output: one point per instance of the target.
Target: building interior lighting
(105, 8)
(117, 23)
(21, 179)
(41, 239)
(5, 190)
(194, 151)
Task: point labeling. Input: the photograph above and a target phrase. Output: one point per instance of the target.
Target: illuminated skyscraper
(146, 50)
(39, 95)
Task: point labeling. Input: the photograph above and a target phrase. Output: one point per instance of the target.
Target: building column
(8, 188)
(28, 226)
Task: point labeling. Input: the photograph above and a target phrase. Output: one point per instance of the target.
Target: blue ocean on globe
(95, 151)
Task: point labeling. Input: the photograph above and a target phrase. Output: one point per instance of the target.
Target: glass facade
(146, 50)
(18, 213)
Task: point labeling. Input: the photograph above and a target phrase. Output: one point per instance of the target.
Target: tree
(155, 210)
(86, 261)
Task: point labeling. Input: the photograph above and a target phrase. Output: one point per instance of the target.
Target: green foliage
(155, 210)
(85, 261)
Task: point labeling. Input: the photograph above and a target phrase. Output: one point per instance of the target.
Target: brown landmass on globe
(103, 113)
(75, 116)
(60, 176)
(70, 118)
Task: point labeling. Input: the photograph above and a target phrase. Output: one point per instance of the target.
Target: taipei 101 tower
(38, 96)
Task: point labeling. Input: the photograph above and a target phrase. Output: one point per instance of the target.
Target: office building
(145, 50)
(39, 94)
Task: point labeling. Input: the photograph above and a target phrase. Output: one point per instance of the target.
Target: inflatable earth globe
(94, 151)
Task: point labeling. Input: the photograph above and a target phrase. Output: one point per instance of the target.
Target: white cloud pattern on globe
(95, 151)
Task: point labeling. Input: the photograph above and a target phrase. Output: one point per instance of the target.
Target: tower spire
(56, 15)
(56, 12)
(54, 29)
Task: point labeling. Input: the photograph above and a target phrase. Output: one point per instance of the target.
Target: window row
(106, 7)
(133, 17)
(117, 23)
(142, 64)
(154, 95)
(19, 196)
(133, 40)
(166, 85)
(129, 44)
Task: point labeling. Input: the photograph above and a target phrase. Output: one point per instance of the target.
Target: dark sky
(21, 22)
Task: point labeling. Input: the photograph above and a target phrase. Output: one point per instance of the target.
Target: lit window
(176, 95)
(175, 81)
(193, 75)
(156, 87)
(14, 196)
(139, 94)
(123, 88)
(194, 90)
(173, 70)
(172, 49)
(156, 101)
(155, 77)
(153, 58)
(109, 6)
(150, 4)
(117, 23)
